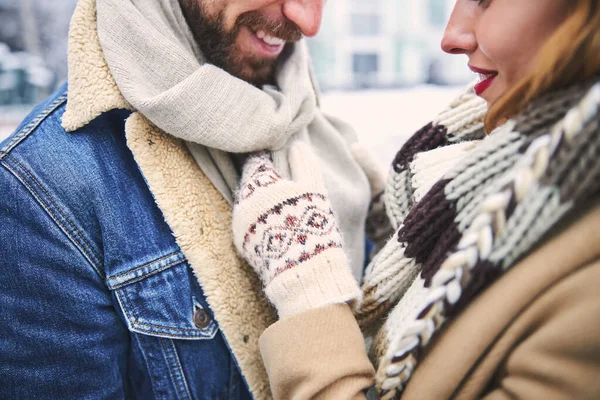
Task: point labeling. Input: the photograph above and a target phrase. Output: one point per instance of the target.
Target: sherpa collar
(92, 88)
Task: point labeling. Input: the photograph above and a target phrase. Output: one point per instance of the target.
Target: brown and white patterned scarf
(467, 206)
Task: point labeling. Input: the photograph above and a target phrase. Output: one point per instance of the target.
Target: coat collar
(92, 89)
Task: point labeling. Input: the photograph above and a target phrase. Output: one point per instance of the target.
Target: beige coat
(533, 334)
(198, 215)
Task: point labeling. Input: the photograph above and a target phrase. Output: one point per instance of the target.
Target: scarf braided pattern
(390, 273)
(481, 217)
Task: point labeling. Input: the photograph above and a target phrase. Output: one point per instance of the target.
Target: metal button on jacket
(201, 318)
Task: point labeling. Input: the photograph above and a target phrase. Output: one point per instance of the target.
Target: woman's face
(501, 38)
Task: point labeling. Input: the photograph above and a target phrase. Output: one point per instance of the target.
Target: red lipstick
(486, 79)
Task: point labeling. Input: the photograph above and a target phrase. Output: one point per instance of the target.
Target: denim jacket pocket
(174, 333)
(160, 299)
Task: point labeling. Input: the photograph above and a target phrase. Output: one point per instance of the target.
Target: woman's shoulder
(535, 324)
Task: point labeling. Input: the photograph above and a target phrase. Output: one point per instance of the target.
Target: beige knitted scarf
(160, 71)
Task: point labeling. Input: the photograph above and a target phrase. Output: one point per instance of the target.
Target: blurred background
(378, 62)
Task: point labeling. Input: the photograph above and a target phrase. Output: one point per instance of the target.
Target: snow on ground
(383, 119)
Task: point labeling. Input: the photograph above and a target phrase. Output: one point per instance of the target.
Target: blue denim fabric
(97, 300)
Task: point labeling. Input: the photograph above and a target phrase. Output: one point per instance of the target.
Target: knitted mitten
(378, 225)
(288, 233)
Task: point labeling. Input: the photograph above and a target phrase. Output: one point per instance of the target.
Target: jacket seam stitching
(150, 371)
(31, 126)
(180, 367)
(51, 200)
(170, 367)
(166, 327)
(144, 265)
(142, 277)
(176, 373)
(172, 335)
(54, 217)
(130, 310)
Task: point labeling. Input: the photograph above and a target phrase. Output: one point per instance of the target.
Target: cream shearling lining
(92, 89)
(198, 215)
(201, 221)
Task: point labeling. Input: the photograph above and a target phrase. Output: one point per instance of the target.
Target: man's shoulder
(42, 129)
(68, 174)
(42, 148)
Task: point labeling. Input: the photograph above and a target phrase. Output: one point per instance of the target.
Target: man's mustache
(283, 29)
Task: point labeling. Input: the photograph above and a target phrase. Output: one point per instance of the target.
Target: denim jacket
(97, 299)
(118, 274)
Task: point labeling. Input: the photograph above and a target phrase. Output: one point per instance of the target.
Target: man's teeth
(268, 39)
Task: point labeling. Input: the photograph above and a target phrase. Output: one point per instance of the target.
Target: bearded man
(119, 277)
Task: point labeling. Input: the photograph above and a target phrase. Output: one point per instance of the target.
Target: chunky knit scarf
(161, 72)
(467, 207)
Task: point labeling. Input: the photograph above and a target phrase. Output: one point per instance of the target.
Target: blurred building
(362, 44)
(39, 28)
(26, 77)
(384, 43)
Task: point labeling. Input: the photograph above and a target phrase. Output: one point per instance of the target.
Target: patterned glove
(378, 226)
(288, 233)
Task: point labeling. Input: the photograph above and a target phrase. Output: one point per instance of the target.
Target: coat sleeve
(559, 357)
(59, 332)
(318, 354)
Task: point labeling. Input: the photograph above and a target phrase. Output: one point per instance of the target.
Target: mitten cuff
(324, 279)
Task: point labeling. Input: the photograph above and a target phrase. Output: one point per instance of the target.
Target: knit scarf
(161, 72)
(468, 206)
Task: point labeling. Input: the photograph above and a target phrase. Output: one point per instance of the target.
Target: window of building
(365, 63)
(366, 6)
(366, 17)
(365, 67)
(365, 24)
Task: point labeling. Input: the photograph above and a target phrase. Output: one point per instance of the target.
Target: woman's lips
(486, 79)
(483, 85)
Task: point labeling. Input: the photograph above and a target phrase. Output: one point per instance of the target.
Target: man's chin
(257, 75)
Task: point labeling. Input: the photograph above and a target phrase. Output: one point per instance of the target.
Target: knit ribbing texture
(486, 213)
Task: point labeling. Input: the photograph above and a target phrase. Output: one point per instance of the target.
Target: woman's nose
(307, 14)
(459, 36)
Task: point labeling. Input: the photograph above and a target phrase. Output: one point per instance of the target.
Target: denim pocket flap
(163, 299)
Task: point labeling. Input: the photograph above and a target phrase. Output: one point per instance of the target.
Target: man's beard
(219, 46)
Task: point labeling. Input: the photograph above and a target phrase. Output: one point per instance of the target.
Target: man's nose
(459, 36)
(307, 14)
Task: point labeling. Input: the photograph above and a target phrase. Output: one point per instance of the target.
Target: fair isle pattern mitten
(288, 233)
(425, 157)
(485, 214)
